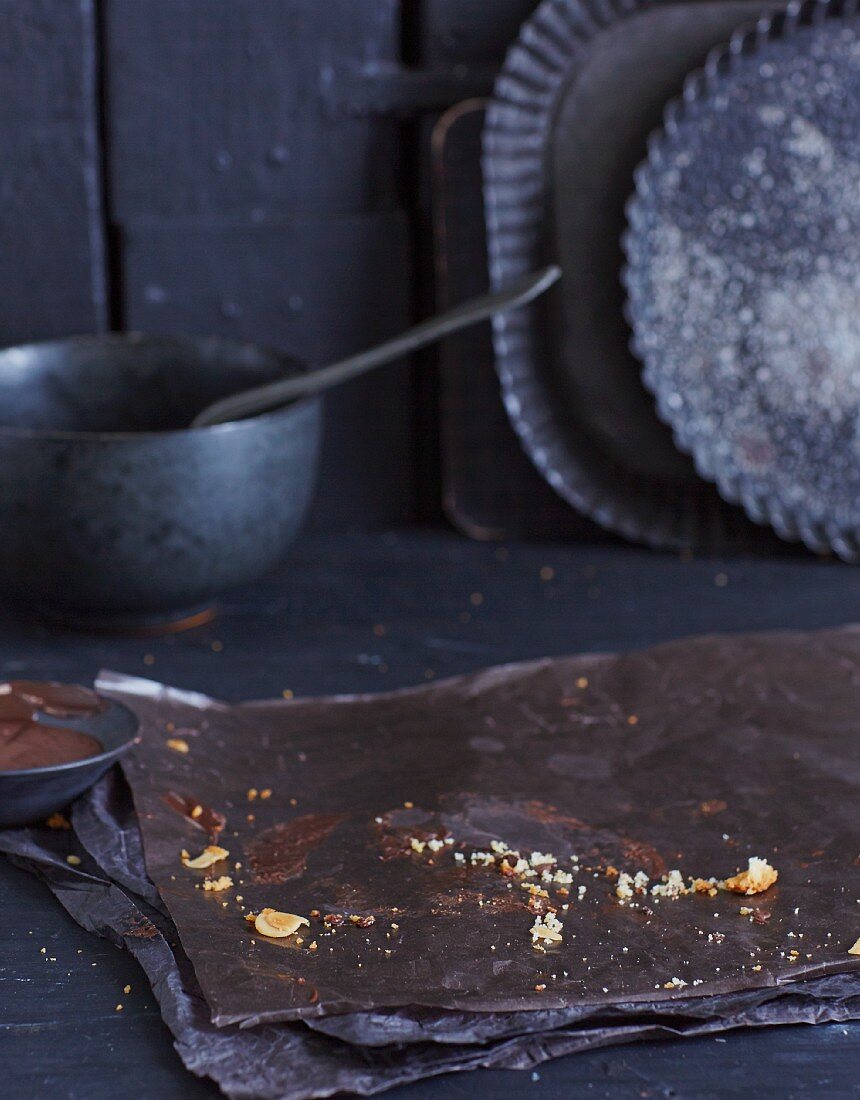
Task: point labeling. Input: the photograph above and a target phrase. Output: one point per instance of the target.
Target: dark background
(254, 169)
(261, 169)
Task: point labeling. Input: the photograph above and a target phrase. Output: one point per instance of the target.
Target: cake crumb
(546, 928)
(758, 877)
(223, 882)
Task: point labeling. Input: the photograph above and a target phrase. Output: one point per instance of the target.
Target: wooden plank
(221, 107)
(318, 288)
(52, 270)
(248, 204)
(460, 31)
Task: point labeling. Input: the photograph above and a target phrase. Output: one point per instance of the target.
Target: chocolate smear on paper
(198, 813)
(281, 852)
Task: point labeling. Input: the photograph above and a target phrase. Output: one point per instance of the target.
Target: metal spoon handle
(262, 398)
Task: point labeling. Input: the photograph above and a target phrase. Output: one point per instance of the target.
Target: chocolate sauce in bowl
(27, 743)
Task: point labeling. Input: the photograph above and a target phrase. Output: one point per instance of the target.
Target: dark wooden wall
(254, 168)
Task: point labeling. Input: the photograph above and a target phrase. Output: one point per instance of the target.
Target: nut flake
(855, 950)
(275, 925)
(210, 854)
(178, 744)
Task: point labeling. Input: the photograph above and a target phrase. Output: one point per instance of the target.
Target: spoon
(263, 398)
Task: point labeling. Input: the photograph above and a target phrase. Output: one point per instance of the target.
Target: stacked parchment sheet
(490, 871)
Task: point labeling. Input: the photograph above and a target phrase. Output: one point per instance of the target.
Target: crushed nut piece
(757, 878)
(197, 811)
(269, 922)
(266, 793)
(855, 950)
(218, 884)
(482, 859)
(73, 860)
(210, 854)
(547, 928)
(540, 859)
(672, 886)
(58, 821)
(624, 887)
(178, 744)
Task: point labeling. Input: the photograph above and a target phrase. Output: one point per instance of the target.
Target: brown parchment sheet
(110, 894)
(695, 755)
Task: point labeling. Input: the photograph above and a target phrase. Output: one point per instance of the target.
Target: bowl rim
(106, 757)
(229, 428)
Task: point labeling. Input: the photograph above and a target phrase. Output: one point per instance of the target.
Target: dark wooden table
(363, 613)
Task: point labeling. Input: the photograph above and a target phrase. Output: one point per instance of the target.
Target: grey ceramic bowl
(32, 794)
(111, 509)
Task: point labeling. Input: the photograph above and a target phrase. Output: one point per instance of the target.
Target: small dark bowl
(32, 794)
(111, 508)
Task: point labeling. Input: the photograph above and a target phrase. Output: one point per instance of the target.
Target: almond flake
(210, 854)
(269, 922)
